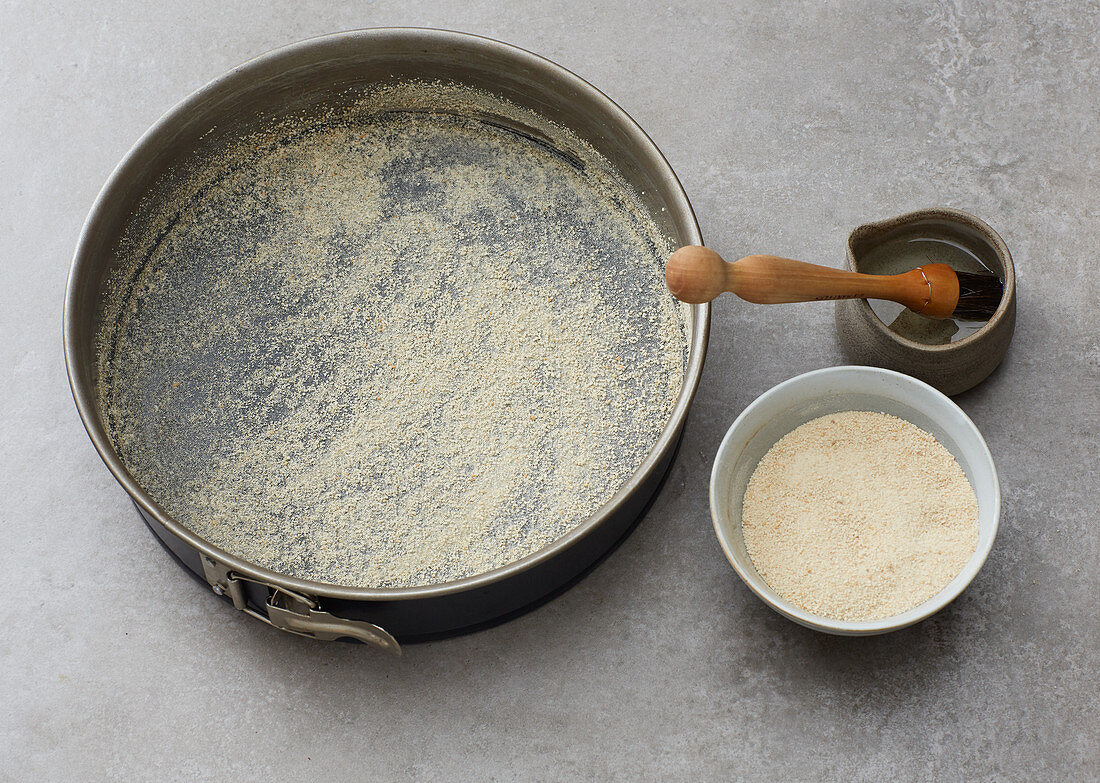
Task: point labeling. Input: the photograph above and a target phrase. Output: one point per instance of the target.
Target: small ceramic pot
(953, 367)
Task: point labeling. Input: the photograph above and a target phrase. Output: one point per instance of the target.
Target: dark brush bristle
(979, 296)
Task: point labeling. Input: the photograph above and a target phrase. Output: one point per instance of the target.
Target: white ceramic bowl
(792, 403)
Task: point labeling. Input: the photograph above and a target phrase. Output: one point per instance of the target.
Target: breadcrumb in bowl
(837, 390)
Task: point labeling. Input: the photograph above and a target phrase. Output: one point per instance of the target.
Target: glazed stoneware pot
(952, 367)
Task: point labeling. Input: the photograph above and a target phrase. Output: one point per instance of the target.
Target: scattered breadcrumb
(412, 341)
(859, 516)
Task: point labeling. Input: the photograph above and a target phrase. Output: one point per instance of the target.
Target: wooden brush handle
(697, 274)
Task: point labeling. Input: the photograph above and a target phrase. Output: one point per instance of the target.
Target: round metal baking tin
(302, 77)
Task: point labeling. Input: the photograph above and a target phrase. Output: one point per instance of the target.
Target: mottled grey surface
(788, 126)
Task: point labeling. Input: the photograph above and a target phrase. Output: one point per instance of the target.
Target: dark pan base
(188, 558)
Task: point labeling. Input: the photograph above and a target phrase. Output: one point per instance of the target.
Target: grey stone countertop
(789, 124)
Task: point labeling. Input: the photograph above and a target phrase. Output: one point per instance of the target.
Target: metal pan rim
(84, 397)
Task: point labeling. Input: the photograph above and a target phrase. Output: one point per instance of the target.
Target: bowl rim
(864, 627)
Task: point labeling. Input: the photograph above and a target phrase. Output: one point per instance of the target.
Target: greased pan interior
(321, 73)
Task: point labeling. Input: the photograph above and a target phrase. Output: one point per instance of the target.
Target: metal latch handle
(294, 612)
(322, 625)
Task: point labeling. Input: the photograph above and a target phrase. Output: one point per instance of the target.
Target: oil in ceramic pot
(903, 251)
